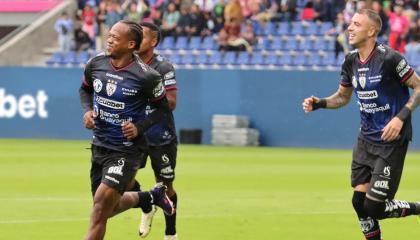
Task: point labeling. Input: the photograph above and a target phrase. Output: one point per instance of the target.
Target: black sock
(171, 220)
(370, 227)
(145, 201)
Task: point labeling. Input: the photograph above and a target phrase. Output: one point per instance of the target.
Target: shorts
(380, 166)
(163, 159)
(113, 168)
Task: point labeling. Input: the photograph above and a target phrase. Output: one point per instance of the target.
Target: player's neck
(365, 50)
(147, 56)
(122, 61)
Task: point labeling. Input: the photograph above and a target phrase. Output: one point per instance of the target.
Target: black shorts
(163, 160)
(380, 166)
(113, 168)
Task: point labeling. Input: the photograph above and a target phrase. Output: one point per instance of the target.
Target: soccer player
(116, 90)
(161, 138)
(380, 77)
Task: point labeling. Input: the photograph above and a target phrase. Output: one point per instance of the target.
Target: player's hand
(392, 130)
(129, 130)
(88, 119)
(307, 103)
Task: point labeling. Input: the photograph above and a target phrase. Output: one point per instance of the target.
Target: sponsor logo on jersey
(97, 85)
(378, 192)
(158, 91)
(354, 81)
(129, 92)
(114, 76)
(367, 94)
(170, 82)
(401, 65)
(373, 107)
(404, 71)
(363, 69)
(362, 80)
(110, 103)
(111, 86)
(387, 171)
(169, 75)
(381, 184)
(112, 179)
(376, 78)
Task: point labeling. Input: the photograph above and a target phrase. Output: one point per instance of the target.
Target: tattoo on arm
(339, 99)
(414, 83)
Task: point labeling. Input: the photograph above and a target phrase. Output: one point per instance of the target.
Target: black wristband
(321, 104)
(404, 114)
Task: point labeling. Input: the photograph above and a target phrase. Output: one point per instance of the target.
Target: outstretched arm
(339, 99)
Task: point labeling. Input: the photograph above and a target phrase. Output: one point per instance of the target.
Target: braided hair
(136, 32)
(153, 28)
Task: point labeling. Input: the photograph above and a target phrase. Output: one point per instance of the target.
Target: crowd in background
(232, 22)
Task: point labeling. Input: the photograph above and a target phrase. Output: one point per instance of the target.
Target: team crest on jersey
(362, 80)
(111, 86)
(159, 89)
(97, 85)
(354, 81)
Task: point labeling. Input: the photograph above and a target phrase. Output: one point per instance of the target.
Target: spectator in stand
(230, 38)
(249, 34)
(377, 7)
(340, 31)
(170, 20)
(399, 26)
(322, 11)
(198, 23)
(82, 41)
(233, 12)
(362, 4)
(131, 13)
(288, 9)
(102, 31)
(89, 20)
(113, 14)
(349, 11)
(307, 12)
(206, 5)
(64, 27)
(156, 16)
(218, 15)
(413, 46)
(184, 22)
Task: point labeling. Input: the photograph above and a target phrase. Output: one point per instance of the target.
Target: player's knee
(374, 209)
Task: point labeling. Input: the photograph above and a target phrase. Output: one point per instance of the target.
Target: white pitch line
(25, 221)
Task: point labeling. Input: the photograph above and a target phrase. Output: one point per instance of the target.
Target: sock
(397, 208)
(370, 227)
(171, 220)
(145, 201)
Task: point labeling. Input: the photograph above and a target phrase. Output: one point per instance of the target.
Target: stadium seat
(209, 43)
(276, 44)
(285, 59)
(291, 44)
(283, 28)
(195, 43)
(257, 58)
(175, 58)
(215, 58)
(328, 59)
(270, 29)
(262, 43)
(181, 43)
(168, 43)
(325, 27)
(229, 58)
(188, 58)
(243, 58)
(297, 28)
(271, 59)
(314, 59)
(299, 59)
(56, 58)
(311, 28)
(202, 58)
(305, 44)
(83, 57)
(71, 58)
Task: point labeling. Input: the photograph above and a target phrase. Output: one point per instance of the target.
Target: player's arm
(86, 98)
(339, 99)
(414, 83)
(169, 81)
(171, 96)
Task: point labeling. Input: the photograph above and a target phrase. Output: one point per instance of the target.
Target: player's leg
(380, 202)
(361, 169)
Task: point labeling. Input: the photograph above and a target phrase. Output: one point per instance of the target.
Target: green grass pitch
(225, 193)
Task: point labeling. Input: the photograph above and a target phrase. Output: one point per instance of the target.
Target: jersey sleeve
(168, 76)
(154, 89)
(345, 78)
(399, 65)
(87, 82)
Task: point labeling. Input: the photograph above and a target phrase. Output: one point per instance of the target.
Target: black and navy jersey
(120, 95)
(379, 88)
(163, 132)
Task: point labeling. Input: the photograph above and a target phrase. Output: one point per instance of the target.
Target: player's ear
(372, 31)
(131, 44)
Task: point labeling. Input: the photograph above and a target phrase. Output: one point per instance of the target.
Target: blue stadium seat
(262, 43)
(188, 58)
(305, 44)
(325, 27)
(168, 43)
(314, 59)
(285, 59)
(56, 58)
(328, 59)
(271, 59)
(340, 59)
(276, 44)
(181, 43)
(83, 57)
(215, 58)
(297, 28)
(257, 58)
(311, 28)
(175, 58)
(195, 43)
(291, 44)
(283, 28)
(243, 58)
(299, 59)
(202, 58)
(270, 29)
(71, 58)
(229, 58)
(209, 43)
